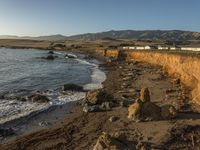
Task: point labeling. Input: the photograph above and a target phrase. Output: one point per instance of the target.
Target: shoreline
(81, 130)
(23, 125)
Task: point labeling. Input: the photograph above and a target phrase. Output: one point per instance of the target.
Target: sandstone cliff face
(186, 68)
(112, 53)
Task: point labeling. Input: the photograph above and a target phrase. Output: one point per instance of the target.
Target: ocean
(24, 71)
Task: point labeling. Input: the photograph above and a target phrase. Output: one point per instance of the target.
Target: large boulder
(97, 97)
(72, 87)
(51, 52)
(168, 112)
(134, 110)
(39, 98)
(145, 95)
(105, 141)
(50, 57)
(151, 111)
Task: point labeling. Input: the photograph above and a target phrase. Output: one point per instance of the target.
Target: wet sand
(80, 130)
(36, 121)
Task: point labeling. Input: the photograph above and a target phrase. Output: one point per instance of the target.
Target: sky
(70, 17)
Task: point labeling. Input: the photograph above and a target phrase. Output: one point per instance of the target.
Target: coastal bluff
(183, 67)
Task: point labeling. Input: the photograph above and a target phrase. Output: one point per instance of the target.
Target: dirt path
(124, 80)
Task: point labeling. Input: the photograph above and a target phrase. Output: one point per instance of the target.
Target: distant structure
(190, 48)
(163, 47)
(137, 47)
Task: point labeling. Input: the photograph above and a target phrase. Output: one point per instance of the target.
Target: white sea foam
(97, 76)
(13, 109)
(59, 53)
(86, 62)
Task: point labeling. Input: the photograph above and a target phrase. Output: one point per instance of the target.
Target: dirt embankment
(185, 68)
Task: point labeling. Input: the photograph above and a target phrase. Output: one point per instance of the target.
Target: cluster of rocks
(121, 140)
(97, 100)
(144, 109)
(50, 56)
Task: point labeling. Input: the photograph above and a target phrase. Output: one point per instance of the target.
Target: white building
(147, 47)
(172, 48)
(190, 48)
(140, 47)
(137, 47)
(162, 47)
(128, 47)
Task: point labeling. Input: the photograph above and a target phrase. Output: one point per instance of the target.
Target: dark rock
(94, 108)
(106, 106)
(72, 87)
(113, 119)
(50, 57)
(125, 103)
(168, 111)
(39, 98)
(51, 52)
(150, 110)
(6, 132)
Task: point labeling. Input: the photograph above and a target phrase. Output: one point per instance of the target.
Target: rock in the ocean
(72, 87)
(168, 112)
(39, 98)
(51, 52)
(145, 95)
(50, 57)
(97, 97)
(105, 141)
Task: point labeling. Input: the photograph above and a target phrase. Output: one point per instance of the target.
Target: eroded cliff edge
(183, 67)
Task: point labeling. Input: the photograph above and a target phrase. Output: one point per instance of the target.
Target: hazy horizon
(67, 17)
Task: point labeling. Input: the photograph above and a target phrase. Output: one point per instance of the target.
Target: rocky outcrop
(96, 97)
(121, 139)
(105, 141)
(144, 109)
(111, 53)
(134, 110)
(72, 87)
(145, 95)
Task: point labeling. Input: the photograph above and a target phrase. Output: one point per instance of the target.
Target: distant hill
(172, 35)
(56, 37)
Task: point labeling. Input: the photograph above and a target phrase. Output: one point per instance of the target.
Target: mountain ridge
(172, 35)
